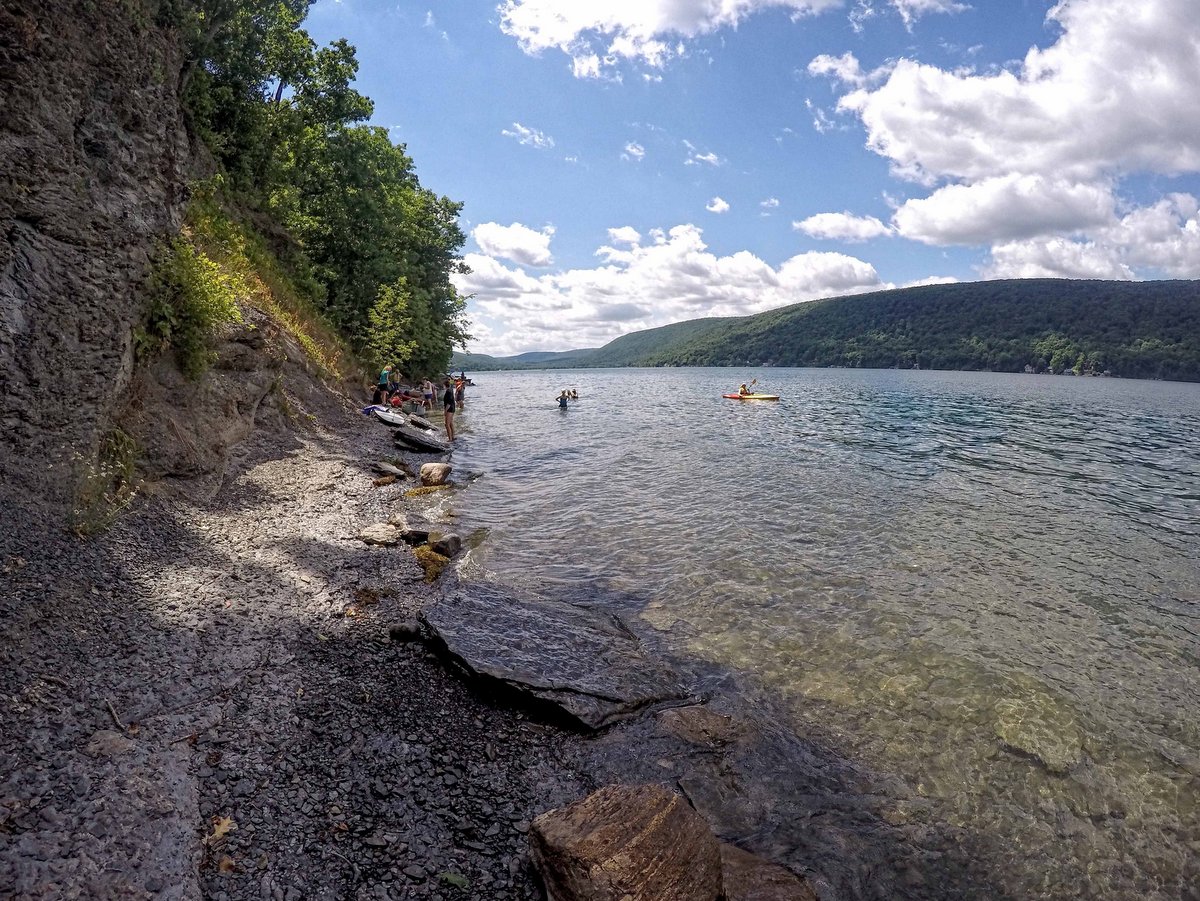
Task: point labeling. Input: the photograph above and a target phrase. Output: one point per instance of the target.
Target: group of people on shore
(390, 391)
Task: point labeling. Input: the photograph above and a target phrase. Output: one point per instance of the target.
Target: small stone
(405, 630)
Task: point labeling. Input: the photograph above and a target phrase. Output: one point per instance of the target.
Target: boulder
(382, 534)
(411, 531)
(445, 543)
(626, 843)
(748, 877)
(435, 474)
(584, 661)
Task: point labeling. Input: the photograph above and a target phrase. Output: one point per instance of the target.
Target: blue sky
(636, 162)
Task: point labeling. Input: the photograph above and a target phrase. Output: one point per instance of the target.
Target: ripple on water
(985, 587)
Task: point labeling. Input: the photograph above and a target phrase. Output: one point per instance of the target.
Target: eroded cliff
(93, 162)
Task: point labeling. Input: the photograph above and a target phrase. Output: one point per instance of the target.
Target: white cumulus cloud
(1115, 93)
(624, 235)
(515, 242)
(1007, 208)
(717, 205)
(1032, 158)
(649, 32)
(842, 227)
(600, 36)
(666, 278)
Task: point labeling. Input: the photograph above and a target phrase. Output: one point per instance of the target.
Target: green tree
(390, 340)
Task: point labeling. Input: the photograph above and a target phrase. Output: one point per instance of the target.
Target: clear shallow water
(984, 586)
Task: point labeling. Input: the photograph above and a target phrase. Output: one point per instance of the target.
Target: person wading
(448, 408)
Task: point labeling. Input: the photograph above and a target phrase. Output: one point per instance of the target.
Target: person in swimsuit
(448, 408)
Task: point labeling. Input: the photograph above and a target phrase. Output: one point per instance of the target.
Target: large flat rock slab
(584, 661)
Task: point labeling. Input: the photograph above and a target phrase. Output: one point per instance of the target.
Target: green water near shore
(984, 587)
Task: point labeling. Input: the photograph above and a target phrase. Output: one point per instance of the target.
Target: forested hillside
(1128, 329)
(370, 246)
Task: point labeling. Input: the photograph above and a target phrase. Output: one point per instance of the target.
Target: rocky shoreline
(238, 697)
(205, 702)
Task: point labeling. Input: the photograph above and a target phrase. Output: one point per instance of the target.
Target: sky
(631, 163)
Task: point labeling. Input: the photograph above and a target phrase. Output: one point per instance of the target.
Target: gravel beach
(205, 702)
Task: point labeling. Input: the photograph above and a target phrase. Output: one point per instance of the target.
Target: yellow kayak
(751, 396)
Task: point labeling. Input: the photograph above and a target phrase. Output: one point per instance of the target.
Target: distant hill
(1130, 329)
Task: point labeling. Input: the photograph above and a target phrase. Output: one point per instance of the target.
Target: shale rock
(411, 531)
(585, 662)
(93, 153)
(382, 534)
(387, 469)
(748, 877)
(627, 843)
(701, 726)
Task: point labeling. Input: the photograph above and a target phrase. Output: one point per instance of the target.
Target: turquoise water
(984, 586)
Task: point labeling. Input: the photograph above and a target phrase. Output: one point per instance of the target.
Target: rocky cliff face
(93, 153)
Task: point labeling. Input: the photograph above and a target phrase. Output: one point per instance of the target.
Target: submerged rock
(627, 843)
(1041, 727)
(748, 877)
(701, 726)
(585, 662)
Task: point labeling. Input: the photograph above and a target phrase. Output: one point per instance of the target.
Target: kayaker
(743, 390)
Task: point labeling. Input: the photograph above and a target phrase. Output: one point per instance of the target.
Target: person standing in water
(562, 400)
(448, 408)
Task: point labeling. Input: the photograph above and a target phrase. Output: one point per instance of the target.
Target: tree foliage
(285, 122)
(1130, 329)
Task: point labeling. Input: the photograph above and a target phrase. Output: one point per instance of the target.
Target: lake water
(984, 587)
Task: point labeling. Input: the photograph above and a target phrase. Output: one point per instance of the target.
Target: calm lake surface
(984, 587)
